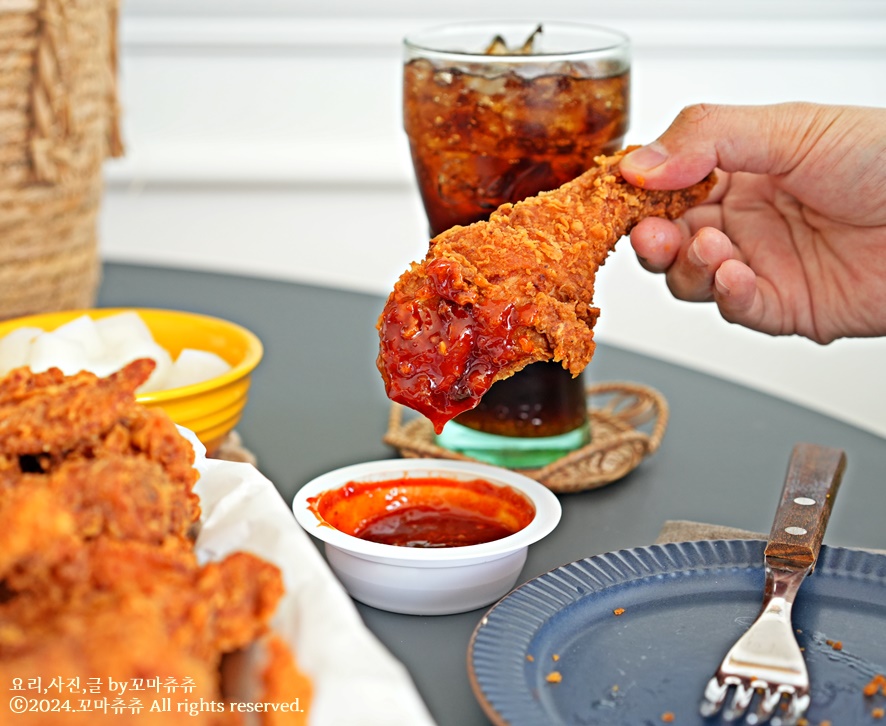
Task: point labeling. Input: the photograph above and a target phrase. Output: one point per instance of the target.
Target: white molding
(287, 41)
(464, 9)
(243, 162)
(357, 36)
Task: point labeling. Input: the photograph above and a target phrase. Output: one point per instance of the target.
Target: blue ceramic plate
(684, 605)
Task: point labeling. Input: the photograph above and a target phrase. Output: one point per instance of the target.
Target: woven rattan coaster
(232, 449)
(628, 421)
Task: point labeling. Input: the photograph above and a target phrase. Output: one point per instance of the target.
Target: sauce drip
(439, 353)
(424, 511)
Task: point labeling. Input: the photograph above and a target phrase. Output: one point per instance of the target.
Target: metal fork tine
(744, 693)
(714, 697)
(796, 708)
(769, 700)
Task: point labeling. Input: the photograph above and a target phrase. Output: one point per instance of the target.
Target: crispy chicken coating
(495, 296)
(283, 682)
(89, 653)
(36, 533)
(99, 578)
(206, 610)
(48, 420)
(49, 413)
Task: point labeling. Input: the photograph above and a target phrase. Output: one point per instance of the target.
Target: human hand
(792, 239)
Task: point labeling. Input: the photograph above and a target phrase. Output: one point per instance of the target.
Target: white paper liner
(355, 678)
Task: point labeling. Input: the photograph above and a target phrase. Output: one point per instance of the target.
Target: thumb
(758, 139)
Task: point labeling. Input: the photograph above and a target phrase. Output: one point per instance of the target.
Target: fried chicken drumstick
(493, 297)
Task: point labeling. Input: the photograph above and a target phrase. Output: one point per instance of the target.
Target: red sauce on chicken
(439, 354)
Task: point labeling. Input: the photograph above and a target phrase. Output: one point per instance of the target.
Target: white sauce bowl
(427, 581)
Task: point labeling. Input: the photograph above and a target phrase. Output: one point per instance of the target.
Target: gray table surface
(317, 403)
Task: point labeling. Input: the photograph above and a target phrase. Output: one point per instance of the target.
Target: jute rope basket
(58, 123)
(619, 412)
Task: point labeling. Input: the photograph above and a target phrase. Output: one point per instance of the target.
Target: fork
(766, 661)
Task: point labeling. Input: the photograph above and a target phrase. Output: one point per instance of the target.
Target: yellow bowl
(210, 409)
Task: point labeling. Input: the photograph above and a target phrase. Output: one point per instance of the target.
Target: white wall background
(264, 137)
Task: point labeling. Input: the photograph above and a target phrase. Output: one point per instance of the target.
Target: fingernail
(720, 287)
(694, 254)
(647, 157)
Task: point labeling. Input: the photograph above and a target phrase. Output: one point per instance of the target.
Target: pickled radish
(15, 348)
(106, 345)
(57, 351)
(195, 366)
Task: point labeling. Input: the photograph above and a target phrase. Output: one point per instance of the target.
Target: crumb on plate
(875, 685)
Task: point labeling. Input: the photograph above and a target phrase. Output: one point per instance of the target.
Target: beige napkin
(682, 530)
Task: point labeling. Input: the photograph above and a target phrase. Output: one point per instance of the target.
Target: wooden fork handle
(813, 478)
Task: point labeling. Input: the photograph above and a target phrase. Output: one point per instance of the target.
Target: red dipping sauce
(424, 511)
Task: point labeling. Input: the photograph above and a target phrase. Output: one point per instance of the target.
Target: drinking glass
(496, 112)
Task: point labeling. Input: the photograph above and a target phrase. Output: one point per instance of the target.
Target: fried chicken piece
(126, 646)
(36, 533)
(99, 577)
(123, 498)
(48, 420)
(46, 518)
(48, 522)
(283, 682)
(49, 413)
(233, 601)
(121, 636)
(151, 436)
(493, 297)
(208, 609)
(134, 610)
